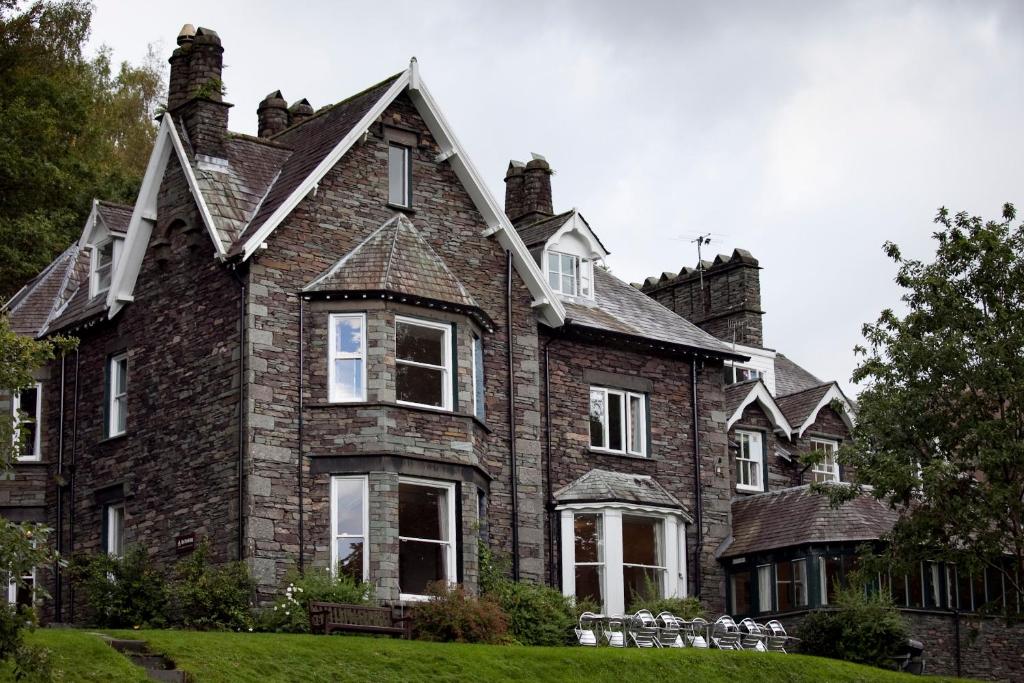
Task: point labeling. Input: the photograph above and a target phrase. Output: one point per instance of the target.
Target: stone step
(151, 661)
(124, 646)
(167, 676)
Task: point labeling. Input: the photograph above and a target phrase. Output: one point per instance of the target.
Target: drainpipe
(553, 574)
(58, 606)
(697, 488)
(71, 496)
(512, 420)
(299, 473)
(240, 551)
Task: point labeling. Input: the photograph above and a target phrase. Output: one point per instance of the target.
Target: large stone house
(330, 346)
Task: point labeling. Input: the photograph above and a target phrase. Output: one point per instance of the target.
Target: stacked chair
(644, 630)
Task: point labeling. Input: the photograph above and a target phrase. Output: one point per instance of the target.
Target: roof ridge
(441, 261)
(246, 137)
(344, 259)
(804, 391)
(394, 245)
(64, 283)
(323, 110)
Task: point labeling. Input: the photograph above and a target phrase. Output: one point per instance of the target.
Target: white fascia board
(289, 204)
(550, 309)
(653, 510)
(579, 225)
(193, 186)
(834, 393)
(759, 392)
(137, 239)
(90, 224)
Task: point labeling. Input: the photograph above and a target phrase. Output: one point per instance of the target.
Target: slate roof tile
(791, 378)
(797, 407)
(31, 308)
(764, 521)
(115, 216)
(605, 486)
(541, 231)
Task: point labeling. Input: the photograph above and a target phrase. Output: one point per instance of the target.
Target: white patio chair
(725, 635)
(585, 630)
(695, 632)
(752, 635)
(614, 632)
(670, 630)
(777, 638)
(643, 629)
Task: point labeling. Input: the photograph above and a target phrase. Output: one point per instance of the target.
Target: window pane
(28, 423)
(348, 334)
(421, 344)
(915, 598)
(422, 512)
(419, 565)
(121, 414)
(554, 279)
(800, 583)
(588, 583)
(597, 418)
(420, 385)
(739, 583)
(764, 588)
(105, 255)
(350, 556)
(640, 540)
(397, 175)
(784, 585)
(588, 538)
(478, 377)
(122, 375)
(636, 418)
(832, 576)
(615, 422)
(586, 271)
(348, 378)
(349, 506)
(639, 582)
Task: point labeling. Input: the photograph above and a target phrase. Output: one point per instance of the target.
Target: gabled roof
(603, 486)
(394, 258)
(33, 306)
(791, 378)
(802, 407)
(541, 231)
(115, 217)
(765, 521)
(740, 395)
(620, 308)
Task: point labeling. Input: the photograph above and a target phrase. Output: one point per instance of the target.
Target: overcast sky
(807, 133)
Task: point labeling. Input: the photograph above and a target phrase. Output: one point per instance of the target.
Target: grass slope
(229, 657)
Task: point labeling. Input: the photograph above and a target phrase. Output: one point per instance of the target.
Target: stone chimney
(272, 115)
(722, 297)
(299, 112)
(528, 190)
(196, 91)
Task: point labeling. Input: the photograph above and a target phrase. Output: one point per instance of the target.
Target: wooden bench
(328, 617)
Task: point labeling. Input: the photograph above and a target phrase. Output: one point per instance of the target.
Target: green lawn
(267, 657)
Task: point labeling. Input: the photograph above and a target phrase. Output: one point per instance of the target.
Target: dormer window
(104, 258)
(399, 176)
(570, 275)
(738, 373)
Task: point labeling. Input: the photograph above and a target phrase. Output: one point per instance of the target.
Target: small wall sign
(185, 543)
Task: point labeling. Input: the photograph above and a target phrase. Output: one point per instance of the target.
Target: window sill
(404, 406)
(30, 461)
(748, 489)
(404, 209)
(618, 454)
(114, 438)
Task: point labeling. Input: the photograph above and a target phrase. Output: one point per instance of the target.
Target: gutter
(71, 502)
(553, 574)
(58, 606)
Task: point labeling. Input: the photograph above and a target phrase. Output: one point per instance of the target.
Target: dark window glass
(978, 590)
(963, 590)
(800, 583)
(420, 344)
(597, 418)
(899, 589)
(640, 543)
(588, 582)
(739, 583)
(833, 576)
(588, 538)
(994, 587)
(784, 585)
(421, 385)
(398, 175)
(423, 542)
(421, 512)
(915, 594)
(28, 403)
(350, 556)
(615, 422)
(479, 400)
(420, 565)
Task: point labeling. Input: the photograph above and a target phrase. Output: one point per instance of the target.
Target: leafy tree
(940, 429)
(22, 546)
(71, 128)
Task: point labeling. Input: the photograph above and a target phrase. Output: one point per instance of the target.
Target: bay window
(28, 409)
(423, 358)
(750, 461)
(117, 392)
(618, 421)
(426, 535)
(349, 522)
(346, 362)
(589, 558)
(479, 400)
(827, 468)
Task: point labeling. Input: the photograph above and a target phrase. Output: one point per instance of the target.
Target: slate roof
(311, 141)
(115, 216)
(619, 307)
(765, 521)
(797, 407)
(31, 308)
(735, 393)
(541, 231)
(791, 378)
(394, 258)
(606, 486)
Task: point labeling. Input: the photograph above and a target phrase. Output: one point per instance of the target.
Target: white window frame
(825, 468)
(36, 454)
(555, 266)
(446, 368)
(765, 577)
(479, 375)
(112, 526)
(800, 600)
(406, 174)
(601, 552)
(116, 245)
(117, 402)
(335, 396)
(451, 569)
(334, 535)
(613, 590)
(626, 425)
(752, 463)
(12, 587)
(731, 368)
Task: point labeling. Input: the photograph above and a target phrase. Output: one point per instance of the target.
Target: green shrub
(537, 615)
(122, 592)
(30, 662)
(449, 615)
(205, 596)
(649, 598)
(290, 613)
(864, 627)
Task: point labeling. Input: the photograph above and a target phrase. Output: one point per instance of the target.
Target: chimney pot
(272, 115)
(195, 92)
(299, 111)
(186, 34)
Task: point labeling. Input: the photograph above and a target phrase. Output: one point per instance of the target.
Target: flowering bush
(290, 613)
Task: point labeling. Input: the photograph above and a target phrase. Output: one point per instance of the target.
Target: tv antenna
(700, 241)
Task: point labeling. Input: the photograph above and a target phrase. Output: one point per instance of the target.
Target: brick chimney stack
(299, 112)
(272, 115)
(196, 91)
(528, 190)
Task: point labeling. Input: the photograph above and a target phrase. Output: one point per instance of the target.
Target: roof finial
(414, 75)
